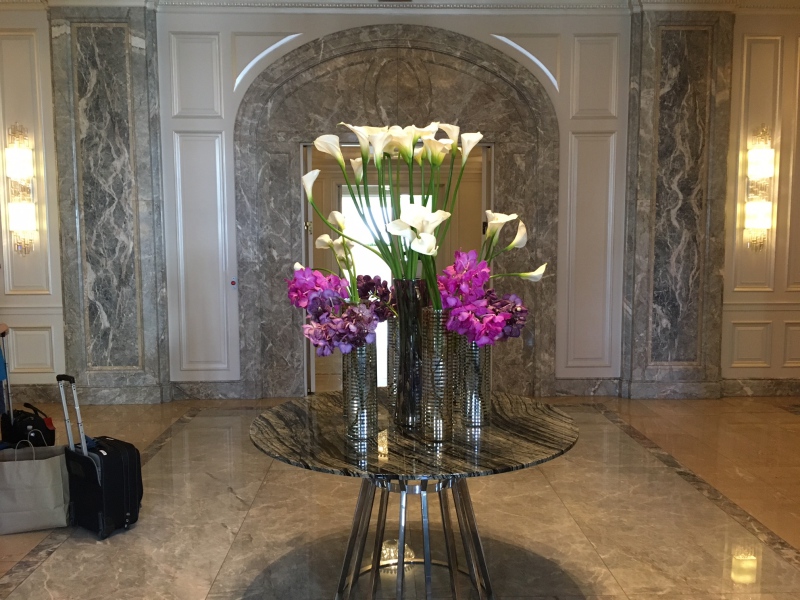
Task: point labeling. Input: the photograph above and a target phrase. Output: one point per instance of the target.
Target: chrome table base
(468, 529)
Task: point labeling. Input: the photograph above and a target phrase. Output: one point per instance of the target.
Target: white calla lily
(495, 222)
(298, 266)
(308, 182)
(337, 219)
(401, 228)
(404, 140)
(363, 133)
(425, 243)
(358, 168)
(534, 276)
(452, 132)
(380, 144)
(468, 142)
(329, 144)
(436, 150)
(419, 153)
(521, 238)
(431, 222)
(339, 247)
(422, 218)
(421, 132)
(323, 241)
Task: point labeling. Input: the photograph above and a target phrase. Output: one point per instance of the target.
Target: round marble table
(309, 433)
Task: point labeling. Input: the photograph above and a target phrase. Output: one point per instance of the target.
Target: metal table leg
(343, 589)
(473, 548)
(466, 540)
(462, 491)
(361, 541)
(376, 549)
(450, 543)
(401, 542)
(426, 539)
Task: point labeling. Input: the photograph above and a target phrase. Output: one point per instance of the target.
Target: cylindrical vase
(476, 393)
(360, 392)
(437, 403)
(411, 297)
(392, 362)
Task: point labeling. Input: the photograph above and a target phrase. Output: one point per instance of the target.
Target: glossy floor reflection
(611, 520)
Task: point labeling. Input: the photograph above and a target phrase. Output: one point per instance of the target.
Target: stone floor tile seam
(39, 554)
(583, 531)
(762, 533)
(241, 527)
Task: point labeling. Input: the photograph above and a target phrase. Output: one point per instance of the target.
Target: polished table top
(309, 433)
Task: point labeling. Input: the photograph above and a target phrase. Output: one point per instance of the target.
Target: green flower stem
(351, 264)
(337, 230)
(450, 206)
(361, 213)
(429, 274)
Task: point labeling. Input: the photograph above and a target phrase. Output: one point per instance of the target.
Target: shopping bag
(34, 489)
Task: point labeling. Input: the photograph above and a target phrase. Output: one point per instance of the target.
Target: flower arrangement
(477, 313)
(404, 236)
(332, 321)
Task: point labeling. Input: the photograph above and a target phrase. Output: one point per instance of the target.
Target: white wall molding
(484, 5)
(428, 5)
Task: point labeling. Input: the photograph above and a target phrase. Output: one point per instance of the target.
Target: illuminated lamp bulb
(760, 163)
(19, 163)
(758, 214)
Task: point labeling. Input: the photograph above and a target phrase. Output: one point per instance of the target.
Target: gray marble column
(679, 122)
(109, 185)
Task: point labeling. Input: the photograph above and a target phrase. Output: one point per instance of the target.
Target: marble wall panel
(679, 209)
(107, 150)
(410, 75)
(680, 113)
(107, 195)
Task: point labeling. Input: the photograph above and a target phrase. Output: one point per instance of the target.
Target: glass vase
(437, 403)
(475, 393)
(411, 296)
(360, 392)
(392, 363)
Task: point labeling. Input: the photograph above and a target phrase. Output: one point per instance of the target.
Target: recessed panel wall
(793, 262)
(20, 104)
(791, 346)
(591, 218)
(200, 206)
(755, 271)
(594, 91)
(30, 301)
(31, 350)
(766, 280)
(195, 75)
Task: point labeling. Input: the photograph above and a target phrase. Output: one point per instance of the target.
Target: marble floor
(659, 499)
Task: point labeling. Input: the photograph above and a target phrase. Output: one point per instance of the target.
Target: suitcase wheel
(106, 526)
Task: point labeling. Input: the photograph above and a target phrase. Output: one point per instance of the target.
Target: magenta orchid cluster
(476, 313)
(332, 322)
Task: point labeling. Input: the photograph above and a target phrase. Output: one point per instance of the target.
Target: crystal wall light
(21, 205)
(758, 206)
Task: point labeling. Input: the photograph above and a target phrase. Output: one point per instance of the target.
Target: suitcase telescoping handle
(62, 379)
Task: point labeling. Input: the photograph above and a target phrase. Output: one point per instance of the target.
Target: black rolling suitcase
(105, 476)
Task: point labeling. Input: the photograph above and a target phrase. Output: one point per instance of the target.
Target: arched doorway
(388, 74)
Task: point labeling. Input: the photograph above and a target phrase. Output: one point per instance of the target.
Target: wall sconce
(758, 206)
(21, 206)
